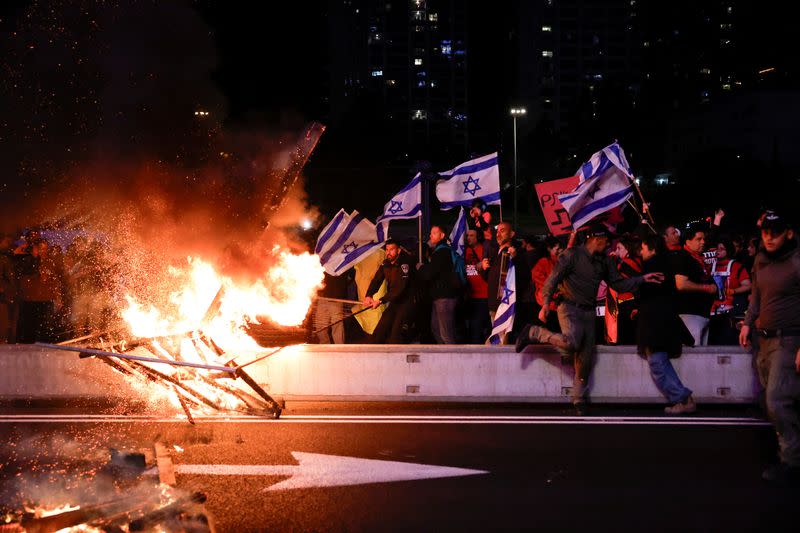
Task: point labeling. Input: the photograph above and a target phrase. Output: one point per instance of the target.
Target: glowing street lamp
(516, 112)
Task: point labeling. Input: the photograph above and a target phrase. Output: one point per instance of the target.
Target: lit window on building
(724, 42)
(547, 53)
(417, 61)
(646, 44)
(730, 10)
(419, 4)
(419, 29)
(459, 117)
(447, 48)
(391, 83)
(547, 28)
(433, 17)
(422, 74)
(421, 83)
(376, 73)
(726, 27)
(726, 86)
(705, 70)
(418, 15)
(598, 77)
(433, 84)
(419, 114)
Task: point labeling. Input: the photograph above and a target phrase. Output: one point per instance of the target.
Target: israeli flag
(475, 179)
(504, 318)
(405, 204)
(348, 239)
(605, 182)
(458, 237)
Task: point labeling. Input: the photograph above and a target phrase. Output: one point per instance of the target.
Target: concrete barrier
(716, 374)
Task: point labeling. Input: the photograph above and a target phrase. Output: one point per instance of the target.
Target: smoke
(115, 128)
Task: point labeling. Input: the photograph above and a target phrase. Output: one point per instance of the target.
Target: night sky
(83, 81)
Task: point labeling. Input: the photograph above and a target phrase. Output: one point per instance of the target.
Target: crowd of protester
(48, 294)
(711, 272)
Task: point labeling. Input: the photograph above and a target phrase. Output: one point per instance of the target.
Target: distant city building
(406, 62)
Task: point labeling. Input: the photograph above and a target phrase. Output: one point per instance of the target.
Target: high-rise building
(402, 66)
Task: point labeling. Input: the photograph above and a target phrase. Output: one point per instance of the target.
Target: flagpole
(419, 235)
(641, 197)
(641, 216)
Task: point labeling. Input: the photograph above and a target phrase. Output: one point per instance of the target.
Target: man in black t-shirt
(696, 288)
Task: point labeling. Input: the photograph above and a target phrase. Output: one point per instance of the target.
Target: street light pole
(515, 112)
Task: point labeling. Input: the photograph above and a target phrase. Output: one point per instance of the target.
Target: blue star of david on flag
(471, 185)
(506, 295)
(407, 203)
(504, 317)
(395, 208)
(349, 247)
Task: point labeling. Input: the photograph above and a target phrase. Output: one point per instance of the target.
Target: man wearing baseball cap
(577, 276)
(774, 317)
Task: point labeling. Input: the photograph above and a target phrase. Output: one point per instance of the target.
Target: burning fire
(283, 295)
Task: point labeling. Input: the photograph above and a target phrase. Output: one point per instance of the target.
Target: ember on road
(468, 469)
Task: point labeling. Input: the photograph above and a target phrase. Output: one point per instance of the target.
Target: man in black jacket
(443, 287)
(398, 272)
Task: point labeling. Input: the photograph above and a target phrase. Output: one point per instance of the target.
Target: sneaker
(523, 338)
(685, 407)
(782, 474)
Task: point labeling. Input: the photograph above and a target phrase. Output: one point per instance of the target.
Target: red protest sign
(554, 213)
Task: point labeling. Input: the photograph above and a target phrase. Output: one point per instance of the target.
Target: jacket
(658, 326)
(399, 276)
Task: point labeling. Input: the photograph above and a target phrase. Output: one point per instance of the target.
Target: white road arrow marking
(318, 470)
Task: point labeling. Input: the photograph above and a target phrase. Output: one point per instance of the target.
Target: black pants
(390, 327)
(477, 320)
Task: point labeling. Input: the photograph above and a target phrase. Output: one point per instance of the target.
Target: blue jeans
(665, 377)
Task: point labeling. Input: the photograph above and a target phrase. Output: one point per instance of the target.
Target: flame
(42, 511)
(283, 295)
(205, 304)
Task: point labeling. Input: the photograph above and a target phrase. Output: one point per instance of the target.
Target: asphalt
(545, 469)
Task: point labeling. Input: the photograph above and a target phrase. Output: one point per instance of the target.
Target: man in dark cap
(774, 317)
(577, 277)
(398, 272)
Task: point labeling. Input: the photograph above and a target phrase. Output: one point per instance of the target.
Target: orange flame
(283, 295)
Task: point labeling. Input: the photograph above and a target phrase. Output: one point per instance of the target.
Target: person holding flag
(398, 272)
(495, 268)
(577, 275)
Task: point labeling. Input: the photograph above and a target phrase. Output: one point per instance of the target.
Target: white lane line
(383, 417)
(464, 421)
